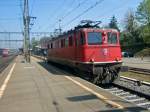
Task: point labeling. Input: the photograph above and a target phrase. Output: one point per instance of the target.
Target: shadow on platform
(82, 98)
(52, 68)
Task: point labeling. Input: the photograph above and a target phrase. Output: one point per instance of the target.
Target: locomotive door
(78, 47)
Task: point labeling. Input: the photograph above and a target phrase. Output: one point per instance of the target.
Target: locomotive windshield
(94, 38)
(112, 38)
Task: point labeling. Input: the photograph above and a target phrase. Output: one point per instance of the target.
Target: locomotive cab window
(94, 38)
(112, 38)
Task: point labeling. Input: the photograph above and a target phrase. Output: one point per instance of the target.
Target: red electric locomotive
(94, 51)
(5, 52)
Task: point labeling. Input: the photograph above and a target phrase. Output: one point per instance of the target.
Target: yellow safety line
(114, 104)
(4, 85)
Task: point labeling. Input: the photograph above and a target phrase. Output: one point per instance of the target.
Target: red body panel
(102, 53)
(87, 53)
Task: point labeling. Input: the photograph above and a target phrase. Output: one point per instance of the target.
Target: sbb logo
(105, 51)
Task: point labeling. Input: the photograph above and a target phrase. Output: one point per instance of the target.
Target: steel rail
(139, 70)
(3, 65)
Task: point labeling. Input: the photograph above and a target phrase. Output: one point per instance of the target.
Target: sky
(49, 12)
(52, 13)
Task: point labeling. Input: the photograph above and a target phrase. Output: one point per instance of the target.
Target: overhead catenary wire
(54, 14)
(70, 5)
(67, 14)
(105, 14)
(85, 11)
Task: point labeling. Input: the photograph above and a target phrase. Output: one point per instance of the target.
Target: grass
(144, 52)
(137, 76)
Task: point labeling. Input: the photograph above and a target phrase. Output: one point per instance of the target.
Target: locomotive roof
(106, 29)
(82, 29)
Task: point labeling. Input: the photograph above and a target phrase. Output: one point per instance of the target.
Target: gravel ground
(133, 86)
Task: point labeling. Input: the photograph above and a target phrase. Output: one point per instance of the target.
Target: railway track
(4, 64)
(132, 91)
(139, 70)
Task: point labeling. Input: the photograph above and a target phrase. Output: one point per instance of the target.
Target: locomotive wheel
(101, 78)
(108, 76)
(97, 79)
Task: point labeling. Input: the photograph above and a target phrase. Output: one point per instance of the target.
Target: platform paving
(38, 87)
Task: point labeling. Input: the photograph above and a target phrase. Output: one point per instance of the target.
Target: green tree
(143, 17)
(131, 28)
(143, 12)
(113, 23)
(130, 37)
(34, 42)
(130, 22)
(146, 34)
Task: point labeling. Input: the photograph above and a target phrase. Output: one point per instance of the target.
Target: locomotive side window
(112, 38)
(94, 38)
(70, 41)
(48, 46)
(57, 44)
(62, 43)
(51, 45)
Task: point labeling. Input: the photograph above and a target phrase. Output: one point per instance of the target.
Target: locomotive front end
(103, 55)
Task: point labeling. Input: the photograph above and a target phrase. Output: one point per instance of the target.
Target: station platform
(137, 62)
(41, 87)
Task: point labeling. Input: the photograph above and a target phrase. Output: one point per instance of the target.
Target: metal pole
(24, 34)
(26, 31)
